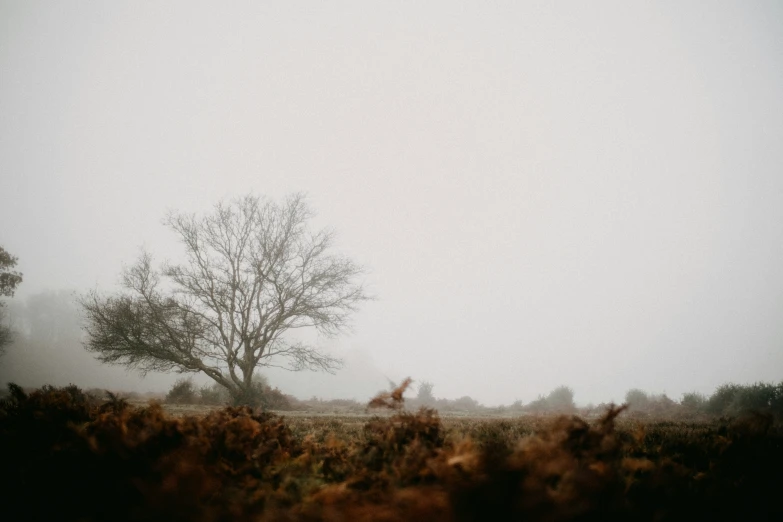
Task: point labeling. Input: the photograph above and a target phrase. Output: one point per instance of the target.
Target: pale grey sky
(545, 193)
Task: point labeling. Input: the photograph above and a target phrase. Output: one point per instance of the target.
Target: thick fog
(543, 193)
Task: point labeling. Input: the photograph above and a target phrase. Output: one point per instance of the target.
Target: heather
(70, 455)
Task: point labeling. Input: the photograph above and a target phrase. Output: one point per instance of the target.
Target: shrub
(465, 404)
(64, 405)
(214, 395)
(538, 405)
(734, 399)
(262, 395)
(760, 397)
(183, 392)
(517, 406)
(637, 399)
(721, 400)
(561, 400)
(661, 405)
(275, 399)
(693, 402)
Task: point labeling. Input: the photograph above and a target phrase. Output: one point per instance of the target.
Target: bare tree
(253, 272)
(9, 280)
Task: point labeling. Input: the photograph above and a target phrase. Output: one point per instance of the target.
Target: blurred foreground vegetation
(69, 455)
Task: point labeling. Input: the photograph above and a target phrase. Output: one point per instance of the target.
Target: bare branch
(252, 271)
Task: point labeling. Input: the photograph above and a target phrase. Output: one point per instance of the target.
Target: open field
(69, 457)
(455, 425)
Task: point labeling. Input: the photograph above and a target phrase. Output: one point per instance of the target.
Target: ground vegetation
(69, 455)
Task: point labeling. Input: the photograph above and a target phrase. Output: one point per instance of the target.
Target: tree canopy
(253, 272)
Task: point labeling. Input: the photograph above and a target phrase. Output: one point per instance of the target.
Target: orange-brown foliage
(68, 457)
(391, 400)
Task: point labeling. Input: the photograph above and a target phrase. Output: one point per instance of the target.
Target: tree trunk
(246, 395)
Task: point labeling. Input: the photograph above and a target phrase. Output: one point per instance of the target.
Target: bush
(262, 395)
(662, 405)
(756, 397)
(734, 399)
(214, 395)
(693, 402)
(64, 405)
(721, 401)
(183, 392)
(645, 404)
(275, 399)
(517, 406)
(561, 400)
(465, 403)
(539, 405)
(637, 399)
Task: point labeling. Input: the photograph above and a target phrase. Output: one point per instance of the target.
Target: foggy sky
(544, 193)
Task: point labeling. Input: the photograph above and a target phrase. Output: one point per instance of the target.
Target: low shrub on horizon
(728, 400)
(261, 395)
(693, 402)
(559, 400)
(182, 392)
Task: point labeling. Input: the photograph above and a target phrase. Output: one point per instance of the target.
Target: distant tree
(424, 394)
(637, 399)
(759, 396)
(693, 401)
(723, 398)
(661, 405)
(465, 403)
(735, 399)
(561, 399)
(253, 272)
(9, 280)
